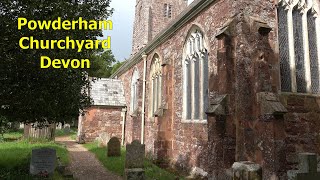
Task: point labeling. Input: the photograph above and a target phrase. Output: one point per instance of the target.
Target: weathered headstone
(246, 170)
(114, 147)
(135, 154)
(307, 168)
(43, 161)
(103, 139)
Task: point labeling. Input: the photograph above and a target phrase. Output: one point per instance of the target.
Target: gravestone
(43, 162)
(246, 170)
(307, 168)
(135, 154)
(114, 147)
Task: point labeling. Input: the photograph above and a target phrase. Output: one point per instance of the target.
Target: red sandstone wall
(99, 120)
(186, 143)
(302, 126)
(255, 63)
(150, 20)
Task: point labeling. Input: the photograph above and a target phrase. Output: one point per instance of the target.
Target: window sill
(134, 113)
(299, 94)
(194, 121)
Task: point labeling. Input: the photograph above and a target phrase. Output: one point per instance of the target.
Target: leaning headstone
(307, 168)
(135, 154)
(114, 147)
(43, 162)
(246, 170)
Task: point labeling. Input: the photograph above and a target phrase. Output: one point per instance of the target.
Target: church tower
(151, 17)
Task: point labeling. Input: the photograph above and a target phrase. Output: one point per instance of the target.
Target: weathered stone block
(134, 174)
(246, 171)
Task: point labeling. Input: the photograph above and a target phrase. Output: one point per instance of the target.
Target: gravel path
(84, 165)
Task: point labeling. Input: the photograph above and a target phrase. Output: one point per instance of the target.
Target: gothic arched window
(299, 45)
(195, 77)
(156, 84)
(134, 91)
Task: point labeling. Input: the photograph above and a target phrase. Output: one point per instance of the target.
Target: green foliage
(13, 135)
(116, 66)
(61, 132)
(101, 64)
(31, 94)
(116, 164)
(4, 127)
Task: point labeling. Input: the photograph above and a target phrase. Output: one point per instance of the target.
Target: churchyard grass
(13, 135)
(15, 155)
(116, 164)
(61, 132)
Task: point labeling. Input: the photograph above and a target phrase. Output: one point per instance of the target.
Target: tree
(28, 93)
(116, 66)
(101, 65)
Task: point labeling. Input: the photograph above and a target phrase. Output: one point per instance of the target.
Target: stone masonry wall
(301, 125)
(184, 144)
(150, 20)
(102, 120)
(243, 66)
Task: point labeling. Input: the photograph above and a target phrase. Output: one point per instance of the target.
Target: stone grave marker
(135, 154)
(246, 170)
(114, 147)
(43, 162)
(307, 167)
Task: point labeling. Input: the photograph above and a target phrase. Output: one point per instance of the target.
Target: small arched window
(134, 91)
(156, 84)
(195, 77)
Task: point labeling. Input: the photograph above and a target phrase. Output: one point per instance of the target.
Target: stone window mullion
(204, 84)
(152, 96)
(159, 90)
(135, 96)
(291, 49)
(305, 33)
(187, 89)
(155, 100)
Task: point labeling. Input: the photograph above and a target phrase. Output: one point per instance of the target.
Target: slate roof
(107, 92)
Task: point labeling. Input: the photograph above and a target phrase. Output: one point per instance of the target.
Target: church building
(213, 82)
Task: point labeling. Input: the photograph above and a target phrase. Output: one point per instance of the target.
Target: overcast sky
(121, 35)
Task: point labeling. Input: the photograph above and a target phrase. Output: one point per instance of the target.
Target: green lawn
(116, 164)
(15, 156)
(13, 135)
